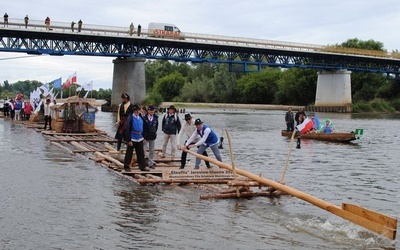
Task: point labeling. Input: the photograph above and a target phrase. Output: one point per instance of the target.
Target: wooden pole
(385, 226)
(287, 159)
(232, 161)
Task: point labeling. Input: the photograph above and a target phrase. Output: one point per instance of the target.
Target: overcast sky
(319, 22)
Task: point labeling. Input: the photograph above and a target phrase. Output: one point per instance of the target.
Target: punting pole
(374, 221)
(232, 161)
(287, 159)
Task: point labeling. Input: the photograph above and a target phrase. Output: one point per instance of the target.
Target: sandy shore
(228, 105)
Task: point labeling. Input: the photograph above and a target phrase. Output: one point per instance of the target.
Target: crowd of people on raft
(20, 109)
(300, 116)
(137, 127)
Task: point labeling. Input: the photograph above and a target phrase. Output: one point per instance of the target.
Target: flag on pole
(306, 125)
(57, 83)
(45, 88)
(88, 86)
(71, 80)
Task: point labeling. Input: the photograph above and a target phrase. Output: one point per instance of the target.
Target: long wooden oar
(232, 160)
(282, 181)
(374, 221)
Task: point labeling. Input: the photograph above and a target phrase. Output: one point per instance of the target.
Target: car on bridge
(166, 30)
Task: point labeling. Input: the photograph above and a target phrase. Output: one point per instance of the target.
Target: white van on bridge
(164, 30)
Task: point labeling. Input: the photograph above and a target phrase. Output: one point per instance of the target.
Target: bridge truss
(250, 58)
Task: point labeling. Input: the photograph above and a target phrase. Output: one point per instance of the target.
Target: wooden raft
(98, 146)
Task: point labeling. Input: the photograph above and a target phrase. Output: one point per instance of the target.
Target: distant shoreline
(228, 105)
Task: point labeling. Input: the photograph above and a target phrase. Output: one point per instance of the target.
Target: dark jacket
(150, 128)
(171, 124)
(122, 117)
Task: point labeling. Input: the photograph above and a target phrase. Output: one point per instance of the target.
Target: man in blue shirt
(134, 139)
(208, 139)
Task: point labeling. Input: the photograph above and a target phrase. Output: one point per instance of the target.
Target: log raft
(101, 148)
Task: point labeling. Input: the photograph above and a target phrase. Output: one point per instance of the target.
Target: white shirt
(188, 131)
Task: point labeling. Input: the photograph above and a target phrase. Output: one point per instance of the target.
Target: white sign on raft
(196, 174)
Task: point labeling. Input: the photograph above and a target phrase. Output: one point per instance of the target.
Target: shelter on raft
(58, 123)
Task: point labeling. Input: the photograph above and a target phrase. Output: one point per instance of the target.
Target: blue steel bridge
(250, 54)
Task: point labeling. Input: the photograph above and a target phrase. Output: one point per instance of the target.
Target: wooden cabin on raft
(65, 119)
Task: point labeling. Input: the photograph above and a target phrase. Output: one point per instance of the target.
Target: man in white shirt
(47, 114)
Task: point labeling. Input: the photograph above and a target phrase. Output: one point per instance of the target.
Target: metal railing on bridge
(118, 31)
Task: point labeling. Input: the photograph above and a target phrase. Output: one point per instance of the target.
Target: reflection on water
(52, 200)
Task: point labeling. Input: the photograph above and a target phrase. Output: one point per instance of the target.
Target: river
(53, 200)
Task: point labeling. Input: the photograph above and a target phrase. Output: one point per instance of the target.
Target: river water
(53, 200)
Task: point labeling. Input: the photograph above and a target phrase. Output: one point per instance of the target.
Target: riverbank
(228, 106)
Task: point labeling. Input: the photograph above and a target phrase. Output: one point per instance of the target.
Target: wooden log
(108, 158)
(244, 183)
(88, 151)
(234, 195)
(78, 145)
(183, 181)
(86, 139)
(359, 219)
(63, 147)
(241, 189)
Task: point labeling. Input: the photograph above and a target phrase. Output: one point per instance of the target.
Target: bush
(376, 105)
(153, 98)
(359, 107)
(381, 106)
(395, 104)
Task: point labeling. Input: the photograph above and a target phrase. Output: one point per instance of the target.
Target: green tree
(199, 90)
(360, 44)
(169, 86)
(260, 87)
(364, 86)
(297, 86)
(155, 69)
(224, 85)
(201, 70)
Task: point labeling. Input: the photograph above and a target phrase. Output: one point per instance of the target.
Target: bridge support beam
(129, 77)
(333, 88)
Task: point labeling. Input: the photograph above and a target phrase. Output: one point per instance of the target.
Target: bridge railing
(118, 31)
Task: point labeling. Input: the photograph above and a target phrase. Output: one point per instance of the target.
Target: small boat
(333, 137)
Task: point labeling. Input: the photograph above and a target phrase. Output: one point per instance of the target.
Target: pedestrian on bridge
(47, 23)
(26, 21)
(79, 25)
(131, 29)
(139, 29)
(5, 19)
(72, 26)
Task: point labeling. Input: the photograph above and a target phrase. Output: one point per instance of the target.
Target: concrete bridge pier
(129, 77)
(333, 88)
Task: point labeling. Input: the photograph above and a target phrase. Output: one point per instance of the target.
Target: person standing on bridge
(47, 23)
(131, 29)
(139, 29)
(26, 21)
(72, 26)
(79, 25)
(5, 19)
